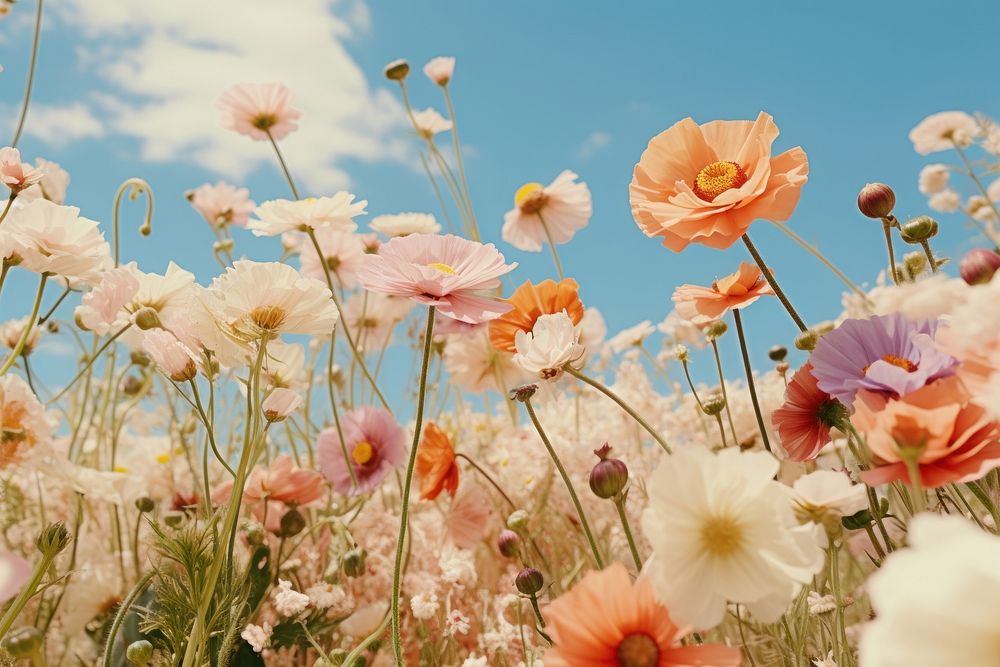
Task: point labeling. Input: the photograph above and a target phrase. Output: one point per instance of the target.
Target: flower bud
(140, 652)
(147, 318)
(354, 562)
(53, 538)
(713, 405)
(777, 353)
(716, 328)
(918, 229)
(523, 393)
(292, 523)
(518, 520)
(529, 581)
(876, 200)
(397, 70)
(52, 326)
(914, 263)
(254, 532)
(782, 367)
(508, 543)
(609, 476)
(978, 266)
(173, 519)
(23, 642)
(145, 504)
(132, 385)
(681, 353)
(806, 341)
(140, 358)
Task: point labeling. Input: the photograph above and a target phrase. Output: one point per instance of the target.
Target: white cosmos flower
(564, 205)
(827, 494)
(934, 178)
(404, 224)
(429, 122)
(936, 602)
(631, 337)
(722, 530)
(282, 215)
(552, 343)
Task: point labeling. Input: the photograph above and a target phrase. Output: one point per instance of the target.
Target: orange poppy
(436, 465)
(530, 302)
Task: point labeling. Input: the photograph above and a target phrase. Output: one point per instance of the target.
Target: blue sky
(126, 90)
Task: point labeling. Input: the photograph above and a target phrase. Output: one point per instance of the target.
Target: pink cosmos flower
(453, 274)
(440, 69)
(282, 482)
(101, 309)
(14, 573)
(374, 443)
(222, 204)
(343, 254)
(553, 212)
(171, 356)
(15, 174)
(257, 110)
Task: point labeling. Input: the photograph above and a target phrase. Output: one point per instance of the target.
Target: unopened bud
(713, 405)
(52, 326)
(132, 385)
(254, 532)
(978, 266)
(397, 70)
(147, 318)
(139, 652)
(876, 200)
(523, 393)
(508, 543)
(145, 504)
(292, 523)
(782, 367)
(354, 562)
(918, 229)
(23, 642)
(777, 353)
(806, 341)
(915, 263)
(716, 329)
(518, 520)
(140, 358)
(529, 581)
(609, 476)
(173, 519)
(53, 538)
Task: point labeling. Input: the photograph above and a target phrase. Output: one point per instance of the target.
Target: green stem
(135, 187)
(6, 209)
(26, 593)
(984, 497)
(552, 245)
(566, 481)
(31, 76)
(887, 228)
(750, 383)
(109, 646)
(397, 647)
(90, 362)
(769, 277)
(814, 251)
(19, 347)
(722, 385)
(459, 162)
(930, 255)
(284, 167)
(619, 501)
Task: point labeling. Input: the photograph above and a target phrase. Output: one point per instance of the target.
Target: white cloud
(59, 125)
(163, 64)
(593, 143)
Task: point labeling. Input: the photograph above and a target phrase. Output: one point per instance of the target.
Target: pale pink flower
(476, 365)
(563, 207)
(222, 204)
(946, 201)
(170, 355)
(282, 482)
(57, 240)
(255, 110)
(455, 275)
(934, 178)
(942, 131)
(15, 174)
(280, 403)
(440, 69)
(14, 573)
(429, 122)
(282, 215)
(102, 308)
(51, 186)
(343, 254)
(468, 517)
(11, 331)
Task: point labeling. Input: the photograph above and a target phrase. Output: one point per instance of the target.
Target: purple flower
(374, 444)
(888, 354)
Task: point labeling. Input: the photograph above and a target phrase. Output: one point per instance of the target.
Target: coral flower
(436, 465)
(607, 620)
(15, 174)
(701, 305)
(451, 273)
(222, 204)
(24, 422)
(707, 183)
(954, 439)
(885, 353)
(258, 111)
(554, 212)
(374, 443)
(529, 302)
(805, 420)
(282, 481)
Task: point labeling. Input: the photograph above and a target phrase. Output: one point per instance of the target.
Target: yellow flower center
(264, 121)
(637, 650)
(721, 535)
(899, 362)
(362, 452)
(163, 458)
(718, 177)
(530, 197)
(443, 268)
(269, 318)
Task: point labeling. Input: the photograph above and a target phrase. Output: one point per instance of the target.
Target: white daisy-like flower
(946, 201)
(440, 69)
(634, 336)
(404, 224)
(552, 344)
(561, 208)
(429, 122)
(282, 215)
(942, 131)
(824, 494)
(722, 530)
(934, 178)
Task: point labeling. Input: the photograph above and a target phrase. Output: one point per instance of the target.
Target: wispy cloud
(593, 143)
(59, 125)
(163, 64)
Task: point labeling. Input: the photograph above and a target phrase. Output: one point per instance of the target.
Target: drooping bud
(523, 393)
(139, 652)
(918, 229)
(53, 538)
(397, 70)
(715, 329)
(806, 341)
(529, 581)
(777, 353)
(714, 404)
(23, 642)
(876, 200)
(508, 543)
(145, 504)
(132, 385)
(292, 523)
(354, 562)
(609, 476)
(978, 266)
(518, 520)
(782, 367)
(147, 318)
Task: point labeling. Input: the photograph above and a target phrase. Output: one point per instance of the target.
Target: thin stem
(6, 209)
(984, 497)
(917, 494)
(750, 383)
(619, 501)
(284, 167)
(397, 647)
(552, 245)
(694, 392)
(769, 277)
(566, 481)
(27, 592)
(743, 638)
(31, 76)
(51, 311)
(123, 609)
(437, 193)
(815, 252)
(621, 403)
(887, 228)
(16, 352)
(488, 478)
(209, 428)
(459, 162)
(722, 384)
(975, 179)
(930, 255)
(90, 362)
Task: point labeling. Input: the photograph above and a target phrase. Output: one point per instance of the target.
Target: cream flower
(280, 403)
(440, 69)
(10, 334)
(429, 122)
(55, 239)
(562, 208)
(631, 337)
(170, 355)
(284, 366)
(722, 530)
(827, 494)
(24, 423)
(15, 174)
(946, 201)
(403, 224)
(51, 186)
(942, 131)
(552, 344)
(282, 215)
(934, 178)
(288, 602)
(936, 602)
(373, 316)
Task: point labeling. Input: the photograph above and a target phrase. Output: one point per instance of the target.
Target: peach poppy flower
(707, 183)
(959, 441)
(282, 482)
(606, 619)
(436, 466)
(701, 305)
(550, 213)
(530, 302)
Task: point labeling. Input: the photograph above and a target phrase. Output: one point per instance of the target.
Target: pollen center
(721, 535)
(268, 318)
(264, 121)
(530, 197)
(443, 268)
(637, 650)
(362, 452)
(899, 362)
(718, 177)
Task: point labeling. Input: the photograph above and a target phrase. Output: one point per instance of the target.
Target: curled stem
(134, 187)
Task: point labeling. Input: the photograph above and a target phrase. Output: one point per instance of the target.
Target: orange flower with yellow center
(435, 466)
(530, 302)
